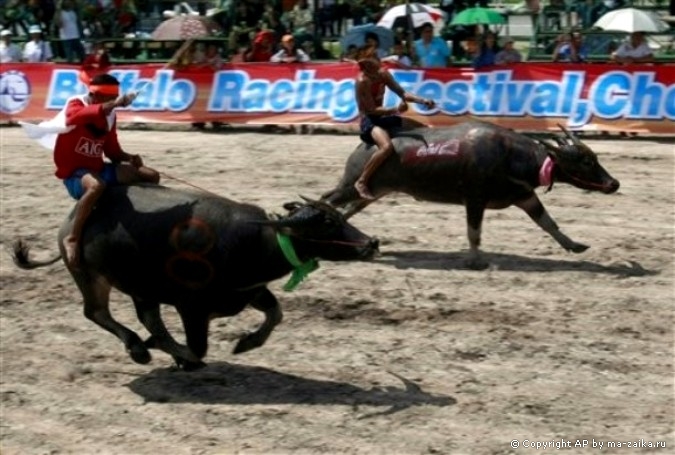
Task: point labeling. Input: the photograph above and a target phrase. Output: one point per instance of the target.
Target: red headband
(113, 90)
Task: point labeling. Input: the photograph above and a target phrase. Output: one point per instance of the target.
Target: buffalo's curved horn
(575, 140)
(319, 204)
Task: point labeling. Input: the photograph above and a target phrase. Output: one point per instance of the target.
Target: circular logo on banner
(14, 92)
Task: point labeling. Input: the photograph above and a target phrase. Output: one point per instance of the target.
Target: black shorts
(386, 122)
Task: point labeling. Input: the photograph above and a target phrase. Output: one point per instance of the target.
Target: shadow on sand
(226, 383)
(434, 260)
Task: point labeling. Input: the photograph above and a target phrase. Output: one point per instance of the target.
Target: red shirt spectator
(261, 49)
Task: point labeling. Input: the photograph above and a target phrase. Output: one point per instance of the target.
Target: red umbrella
(185, 27)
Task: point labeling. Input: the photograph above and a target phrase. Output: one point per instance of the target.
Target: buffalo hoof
(187, 365)
(140, 354)
(246, 343)
(578, 248)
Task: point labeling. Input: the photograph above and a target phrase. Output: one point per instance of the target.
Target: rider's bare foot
(363, 190)
(71, 246)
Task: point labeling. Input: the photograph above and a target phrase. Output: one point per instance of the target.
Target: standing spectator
(508, 54)
(431, 51)
(16, 14)
(326, 18)
(9, 52)
(37, 49)
(68, 22)
(310, 43)
(570, 48)
(300, 14)
(487, 51)
(635, 50)
(289, 53)
(399, 56)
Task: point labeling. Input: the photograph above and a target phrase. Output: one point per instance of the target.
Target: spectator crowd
(290, 31)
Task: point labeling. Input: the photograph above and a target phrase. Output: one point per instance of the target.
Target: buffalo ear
(291, 206)
(550, 148)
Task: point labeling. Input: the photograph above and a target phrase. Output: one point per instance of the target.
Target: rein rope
(571, 177)
(185, 182)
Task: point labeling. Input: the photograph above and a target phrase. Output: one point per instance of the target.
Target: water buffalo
(481, 166)
(206, 255)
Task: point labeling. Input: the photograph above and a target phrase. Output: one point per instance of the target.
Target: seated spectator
(487, 52)
(350, 54)
(37, 50)
(261, 48)
(289, 53)
(508, 55)
(211, 57)
(570, 48)
(373, 41)
(9, 52)
(634, 50)
(399, 56)
(431, 51)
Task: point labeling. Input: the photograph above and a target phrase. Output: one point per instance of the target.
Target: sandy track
(409, 354)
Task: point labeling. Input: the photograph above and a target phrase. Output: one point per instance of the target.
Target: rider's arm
(405, 96)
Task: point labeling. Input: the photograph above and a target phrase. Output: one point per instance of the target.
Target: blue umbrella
(357, 36)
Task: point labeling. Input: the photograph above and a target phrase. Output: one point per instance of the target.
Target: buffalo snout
(612, 186)
(372, 247)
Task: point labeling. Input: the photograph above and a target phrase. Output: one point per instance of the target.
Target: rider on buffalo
(377, 121)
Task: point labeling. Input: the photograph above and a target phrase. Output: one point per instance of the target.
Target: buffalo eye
(587, 161)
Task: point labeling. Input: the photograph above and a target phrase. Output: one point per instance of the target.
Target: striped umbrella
(420, 14)
(185, 27)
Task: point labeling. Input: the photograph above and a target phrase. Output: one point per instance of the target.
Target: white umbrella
(631, 20)
(420, 14)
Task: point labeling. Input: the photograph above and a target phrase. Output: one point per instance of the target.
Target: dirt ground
(408, 354)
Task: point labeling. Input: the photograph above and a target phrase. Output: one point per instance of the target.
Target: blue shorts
(74, 182)
(386, 122)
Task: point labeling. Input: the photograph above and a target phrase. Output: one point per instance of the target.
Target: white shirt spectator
(627, 50)
(69, 28)
(403, 60)
(37, 51)
(9, 52)
(300, 55)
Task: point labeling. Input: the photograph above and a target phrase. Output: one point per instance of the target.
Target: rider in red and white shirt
(90, 134)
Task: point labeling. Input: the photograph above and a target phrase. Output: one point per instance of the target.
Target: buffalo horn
(319, 204)
(575, 140)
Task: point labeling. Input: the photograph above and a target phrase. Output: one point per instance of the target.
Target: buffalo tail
(20, 255)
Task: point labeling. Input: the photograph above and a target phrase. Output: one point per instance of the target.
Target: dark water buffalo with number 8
(206, 255)
(481, 166)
